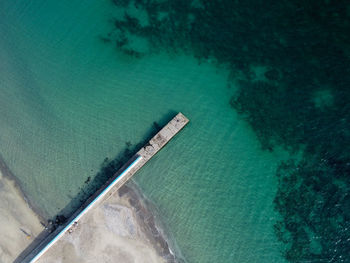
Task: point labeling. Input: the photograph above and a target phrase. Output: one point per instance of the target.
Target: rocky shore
(149, 223)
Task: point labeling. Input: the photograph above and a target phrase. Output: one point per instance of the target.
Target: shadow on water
(91, 186)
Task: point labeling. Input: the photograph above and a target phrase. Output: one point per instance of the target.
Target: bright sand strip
(19, 225)
(110, 232)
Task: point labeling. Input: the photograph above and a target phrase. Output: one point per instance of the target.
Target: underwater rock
(305, 45)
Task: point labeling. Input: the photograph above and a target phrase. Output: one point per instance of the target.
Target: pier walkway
(119, 179)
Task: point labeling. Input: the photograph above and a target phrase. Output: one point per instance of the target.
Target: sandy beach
(121, 229)
(19, 225)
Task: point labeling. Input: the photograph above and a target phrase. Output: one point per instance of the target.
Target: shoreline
(149, 218)
(123, 228)
(142, 212)
(19, 224)
(7, 173)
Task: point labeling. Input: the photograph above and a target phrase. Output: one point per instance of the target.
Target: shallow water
(69, 100)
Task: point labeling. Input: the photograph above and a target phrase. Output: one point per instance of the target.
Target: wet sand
(19, 225)
(121, 229)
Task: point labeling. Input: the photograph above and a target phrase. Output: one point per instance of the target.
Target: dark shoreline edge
(145, 211)
(8, 174)
(153, 226)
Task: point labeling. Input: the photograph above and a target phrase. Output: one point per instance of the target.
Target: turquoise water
(69, 100)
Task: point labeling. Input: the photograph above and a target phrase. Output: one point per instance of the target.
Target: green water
(68, 100)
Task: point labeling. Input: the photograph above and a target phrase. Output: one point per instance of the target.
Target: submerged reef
(313, 199)
(291, 62)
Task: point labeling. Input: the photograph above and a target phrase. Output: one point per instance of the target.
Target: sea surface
(81, 81)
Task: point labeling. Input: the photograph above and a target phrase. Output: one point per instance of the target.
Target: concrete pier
(119, 179)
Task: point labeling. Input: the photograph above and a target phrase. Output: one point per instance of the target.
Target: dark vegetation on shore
(302, 102)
